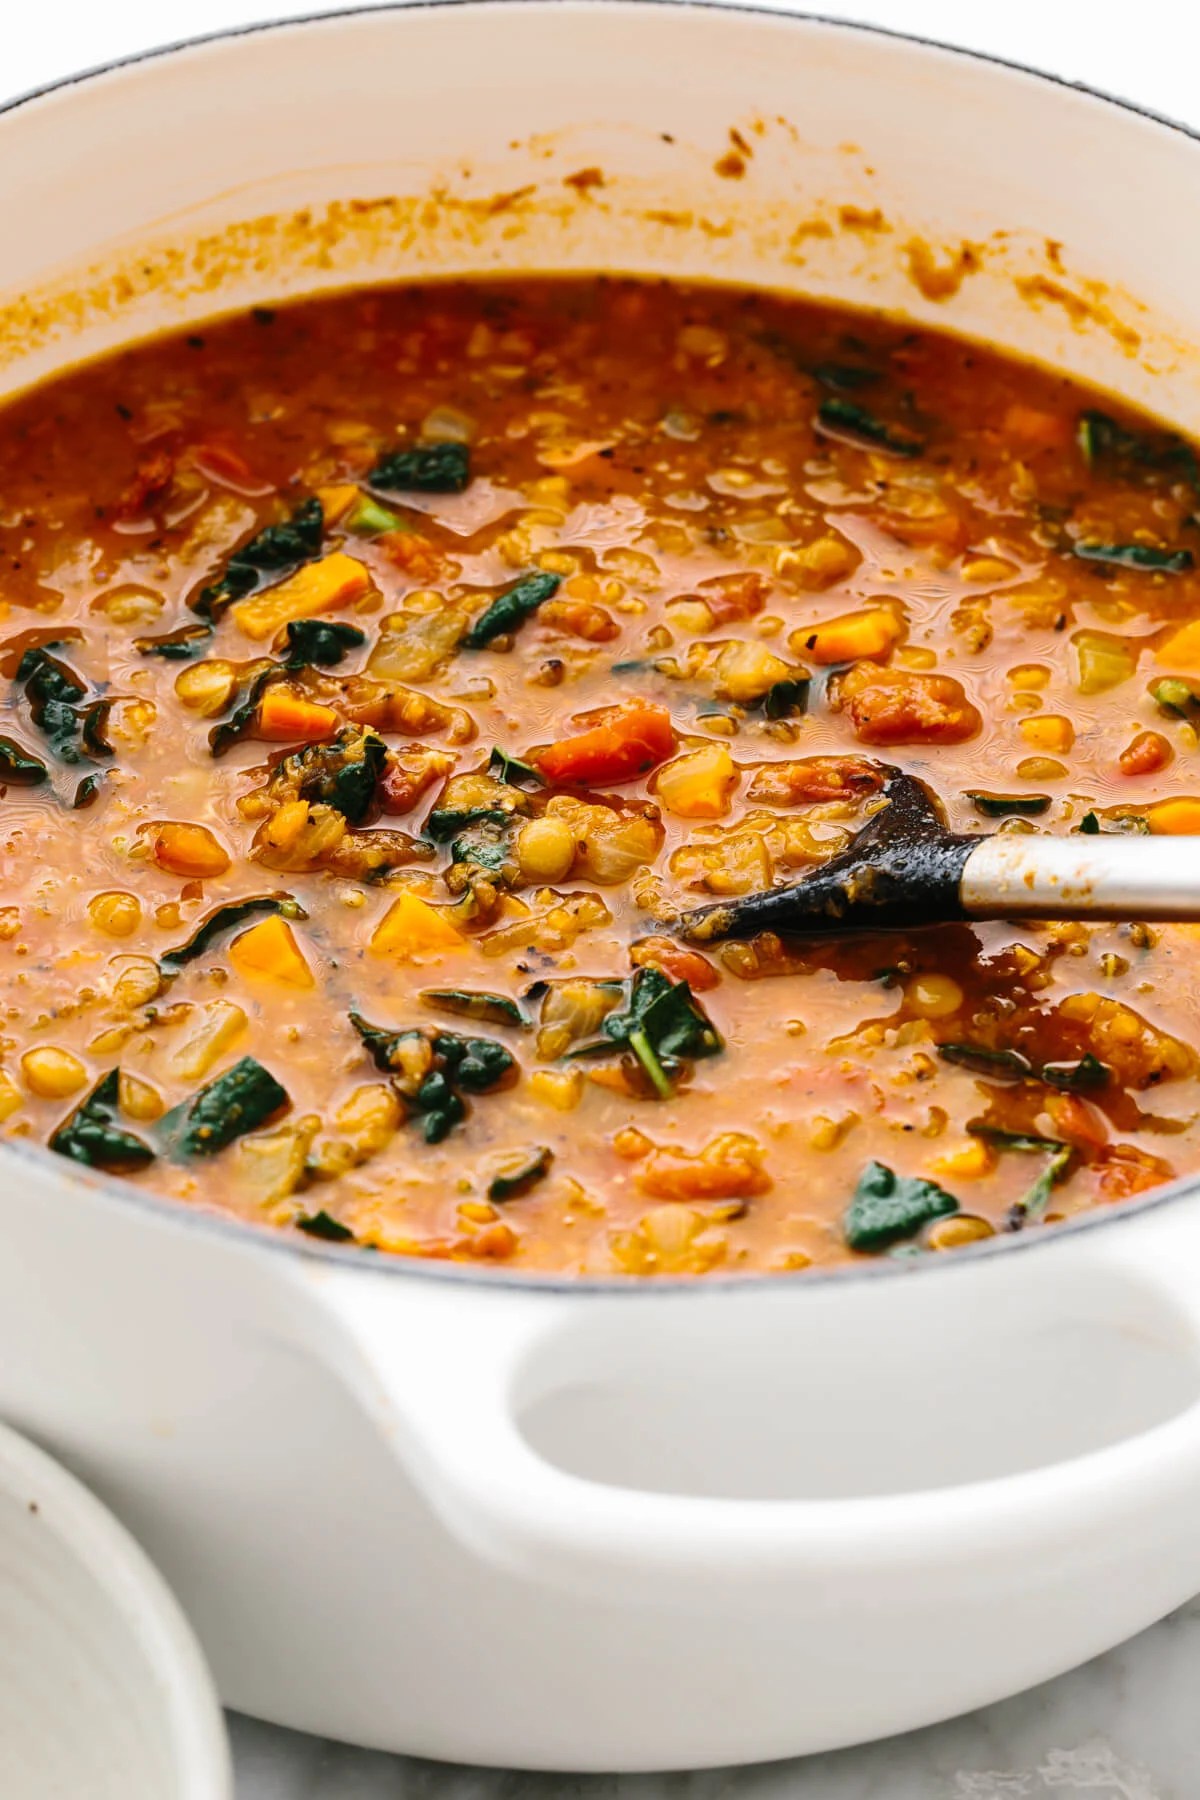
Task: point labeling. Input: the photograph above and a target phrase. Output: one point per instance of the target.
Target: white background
(1137, 1707)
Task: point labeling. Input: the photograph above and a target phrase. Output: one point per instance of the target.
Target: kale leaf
(887, 1208)
(1133, 556)
(224, 919)
(322, 1225)
(663, 1024)
(18, 768)
(176, 646)
(434, 1070)
(236, 1102)
(320, 643)
(846, 419)
(512, 771)
(441, 468)
(344, 774)
(510, 1184)
(91, 1134)
(509, 610)
(491, 1009)
(270, 556)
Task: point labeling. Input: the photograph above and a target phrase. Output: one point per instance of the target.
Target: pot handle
(448, 1368)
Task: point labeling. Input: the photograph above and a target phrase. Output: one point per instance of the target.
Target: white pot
(595, 1527)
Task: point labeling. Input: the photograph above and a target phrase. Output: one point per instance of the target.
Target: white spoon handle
(1106, 876)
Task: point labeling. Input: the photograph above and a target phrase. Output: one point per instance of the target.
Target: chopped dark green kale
(242, 1098)
(447, 822)
(1133, 556)
(270, 556)
(432, 1071)
(511, 1184)
(320, 643)
(845, 378)
(223, 920)
(1009, 1065)
(486, 844)
(322, 1225)
(512, 771)
(1077, 1077)
(1125, 825)
(664, 1026)
(1102, 441)
(309, 643)
(475, 1064)
(1000, 1065)
(176, 646)
(888, 1208)
(86, 792)
(232, 729)
(93, 725)
(1025, 1142)
(1003, 806)
(92, 1135)
(53, 692)
(442, 468)
(18, 767)
(509, 611)
(490, 1009)
(846, 419)
(787, 699)
(344, 773)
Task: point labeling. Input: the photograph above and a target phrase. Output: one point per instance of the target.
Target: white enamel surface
(537, 1529)
(1012, 876)
(103, 1692)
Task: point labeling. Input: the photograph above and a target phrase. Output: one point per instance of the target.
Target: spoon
(906, 869)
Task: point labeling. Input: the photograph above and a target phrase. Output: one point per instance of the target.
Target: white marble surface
(1124, 1727)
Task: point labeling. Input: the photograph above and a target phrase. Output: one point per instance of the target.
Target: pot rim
(242, 1232)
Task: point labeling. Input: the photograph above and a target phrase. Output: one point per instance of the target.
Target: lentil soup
(384, 674)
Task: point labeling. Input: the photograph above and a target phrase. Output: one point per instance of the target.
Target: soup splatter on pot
(383, 675)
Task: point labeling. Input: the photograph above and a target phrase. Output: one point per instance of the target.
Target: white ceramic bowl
(590, 1526)
(103, 1691)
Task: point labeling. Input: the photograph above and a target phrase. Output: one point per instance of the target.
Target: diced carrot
(850, 637)
(1181, 650)
(318, 587)
(1175, 818)
(189, 850)
(1039, 430)
(285, 717)
(270, 948)
(1146, 755)
(412, 930)
(632, 739)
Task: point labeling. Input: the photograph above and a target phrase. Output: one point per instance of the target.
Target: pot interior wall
(554, 134)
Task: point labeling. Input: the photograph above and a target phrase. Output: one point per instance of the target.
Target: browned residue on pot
(838, 237)
(1089, 307)
(939, 277)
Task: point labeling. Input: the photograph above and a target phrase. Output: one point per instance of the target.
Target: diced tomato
(895, 706)
(151, 484)
(630, 740)
(674, 960)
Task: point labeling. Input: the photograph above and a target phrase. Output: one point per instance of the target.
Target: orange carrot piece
(632, 739)
(285, 717)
